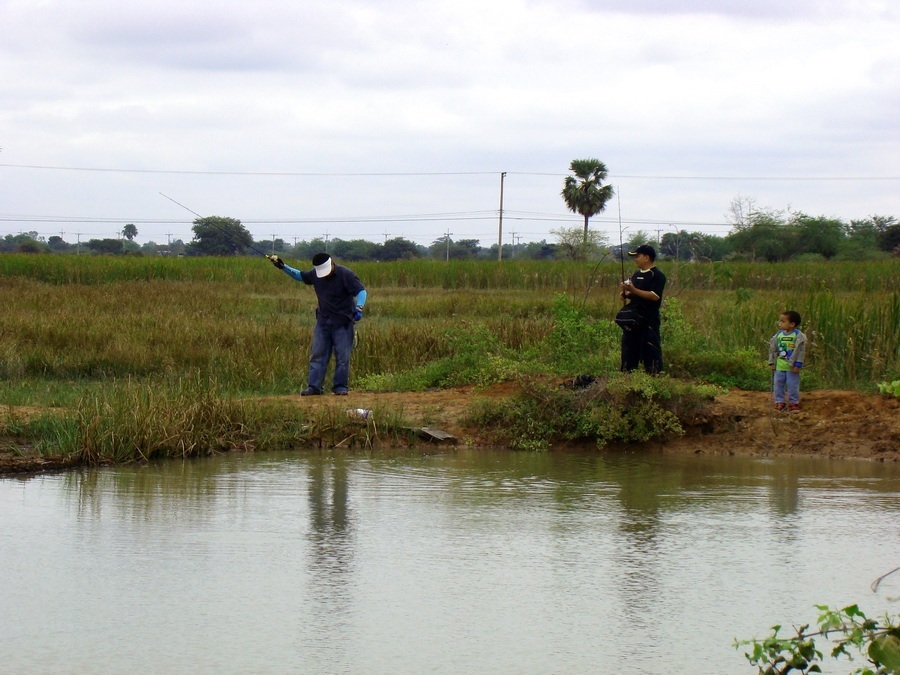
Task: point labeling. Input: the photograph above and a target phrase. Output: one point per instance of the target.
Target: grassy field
(78, 327)
(72, 321)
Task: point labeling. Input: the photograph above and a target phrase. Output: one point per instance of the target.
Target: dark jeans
(327, 338)
(642, 346)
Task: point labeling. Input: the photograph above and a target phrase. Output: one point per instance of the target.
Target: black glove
(278, 262)
(357, 313)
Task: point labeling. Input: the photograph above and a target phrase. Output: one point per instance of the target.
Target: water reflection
(330, 538)
(635, 559)
(468, 560)
(330, 532)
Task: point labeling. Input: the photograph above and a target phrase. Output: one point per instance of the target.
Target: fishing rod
(592, 279)
(621, 243)
(221, 229)
(603, 257)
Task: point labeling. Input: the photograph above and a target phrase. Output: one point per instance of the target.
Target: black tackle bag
(629, 318)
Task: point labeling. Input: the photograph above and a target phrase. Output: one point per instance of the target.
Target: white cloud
(652, 88)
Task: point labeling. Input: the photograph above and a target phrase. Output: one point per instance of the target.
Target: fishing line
(621, 256)
(603, 257)
(209, 221)
(621, 244)
(234, 241)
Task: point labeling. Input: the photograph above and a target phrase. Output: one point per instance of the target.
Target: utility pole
(500, 234)
(386, 235)
(448, 243)
(78, 245)
(326, 241)
(513, 236)
(273, 243)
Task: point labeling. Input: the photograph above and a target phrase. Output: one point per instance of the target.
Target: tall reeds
(191, 416)
(247, 326)
(258, 276)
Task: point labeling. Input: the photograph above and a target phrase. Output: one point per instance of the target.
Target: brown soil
(831, 424)
(839, 424)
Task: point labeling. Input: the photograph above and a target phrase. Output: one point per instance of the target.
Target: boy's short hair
(792, 316)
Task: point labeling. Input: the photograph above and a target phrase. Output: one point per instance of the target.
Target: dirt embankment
(836, 424)
(839, 424)
(830, 424)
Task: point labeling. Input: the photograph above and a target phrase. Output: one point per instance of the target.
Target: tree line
(756, 234)
(763, 235)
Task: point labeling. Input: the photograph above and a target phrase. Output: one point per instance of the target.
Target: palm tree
(584, 192)
(129, 231)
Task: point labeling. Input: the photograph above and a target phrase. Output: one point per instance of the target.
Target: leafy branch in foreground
(850, 631)
(889, 388)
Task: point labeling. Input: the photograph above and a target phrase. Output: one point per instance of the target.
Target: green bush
(848, 631)
(689, 352)
(624, 408)
(578, 344)
(478, 357)
(890, 388)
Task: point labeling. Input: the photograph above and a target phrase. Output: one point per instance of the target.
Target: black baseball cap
(646, 249)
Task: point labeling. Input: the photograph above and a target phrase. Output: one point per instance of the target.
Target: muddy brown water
(458, 561)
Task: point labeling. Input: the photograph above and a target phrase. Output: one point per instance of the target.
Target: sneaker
(310, 391)
(341, 392)
(794, 407)
(780, 407)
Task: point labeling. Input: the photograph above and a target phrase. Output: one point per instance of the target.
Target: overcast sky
(384, 118)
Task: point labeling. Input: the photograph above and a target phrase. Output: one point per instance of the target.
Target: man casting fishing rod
(341, 298)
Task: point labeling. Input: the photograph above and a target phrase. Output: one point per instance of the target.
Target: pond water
(465, 561)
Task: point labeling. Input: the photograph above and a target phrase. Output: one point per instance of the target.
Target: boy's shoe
(340, 392)
(780, 407)
(794, 407)
(311, 391)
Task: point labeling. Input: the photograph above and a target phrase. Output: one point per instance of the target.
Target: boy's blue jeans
(328, 338)
(786, 379)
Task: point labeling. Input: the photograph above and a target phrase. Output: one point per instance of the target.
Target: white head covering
(324, 269)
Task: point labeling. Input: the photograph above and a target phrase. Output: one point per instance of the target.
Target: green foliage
(849, 630)
(890, 388)
(584, 192)
(186, 417)
(142, 421)
(622, 408)
(574, 244)
(215, 235)
(577, 344)
(742, 295)
(241, 321)
(704, 355)
(525, 275)
(819, 236)
(477, 357)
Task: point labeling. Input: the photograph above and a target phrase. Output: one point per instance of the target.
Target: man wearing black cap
(644, 292)
(341, 298)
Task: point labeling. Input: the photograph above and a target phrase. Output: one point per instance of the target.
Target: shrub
(622, 408)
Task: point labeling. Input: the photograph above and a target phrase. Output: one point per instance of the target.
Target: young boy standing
(787, 349)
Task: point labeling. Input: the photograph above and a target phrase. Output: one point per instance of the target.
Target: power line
(335, 174)
(728, 178)
(342, 174)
